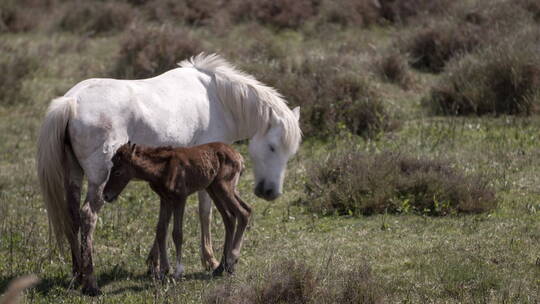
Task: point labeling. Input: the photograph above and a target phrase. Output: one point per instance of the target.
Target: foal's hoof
(91, 291)
(218, 272)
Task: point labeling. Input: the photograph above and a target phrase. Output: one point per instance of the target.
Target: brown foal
(174, 174)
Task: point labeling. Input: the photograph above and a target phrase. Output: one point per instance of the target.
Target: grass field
(409, 257)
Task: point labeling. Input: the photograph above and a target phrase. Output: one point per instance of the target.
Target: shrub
(191, 12)
(332, 96)
(19, 16)
(13, 70)
(503, 79)
(96, 17)
(355, 183)
(276, 13)
(432, 47)
(394, 68)
(146, 52)
(401, 11)
(349, 13)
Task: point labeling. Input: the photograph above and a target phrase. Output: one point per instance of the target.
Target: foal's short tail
(50, 161)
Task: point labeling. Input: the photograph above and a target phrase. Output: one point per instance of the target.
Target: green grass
(486, 258)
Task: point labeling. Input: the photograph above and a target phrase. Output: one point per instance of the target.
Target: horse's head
(121, 172)
(270, 153)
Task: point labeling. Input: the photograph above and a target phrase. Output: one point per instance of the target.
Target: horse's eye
(272, 148)
(117, 173)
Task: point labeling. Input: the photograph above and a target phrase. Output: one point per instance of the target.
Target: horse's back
(164, 110)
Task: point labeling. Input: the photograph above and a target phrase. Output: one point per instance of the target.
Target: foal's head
(121, 172)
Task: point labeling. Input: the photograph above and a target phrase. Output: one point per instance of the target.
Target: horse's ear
(296, 112)
(132, 147)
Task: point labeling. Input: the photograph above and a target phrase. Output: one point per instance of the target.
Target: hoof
(179, 272)
(91, 291)
(230, 269)
(218, 272)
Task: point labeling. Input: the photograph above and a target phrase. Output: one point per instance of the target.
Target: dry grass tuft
(147, 52)
(296, 283)
(355, 183)
(16, 287)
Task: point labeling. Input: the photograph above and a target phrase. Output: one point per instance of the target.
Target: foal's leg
(242, 212)
(229, 222)
(165, 211)
(73, 177)
(178, 212)
(205, 215)
(153, 257)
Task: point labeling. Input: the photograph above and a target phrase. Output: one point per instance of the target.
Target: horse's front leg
(89, 214)
(178, 212)
(208, 260)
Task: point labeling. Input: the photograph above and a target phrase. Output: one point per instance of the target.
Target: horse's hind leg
(73, 177)
(89, 215)
(178, 213)
(208, 260)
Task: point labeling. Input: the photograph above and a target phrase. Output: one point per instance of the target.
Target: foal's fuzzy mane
(249, 101)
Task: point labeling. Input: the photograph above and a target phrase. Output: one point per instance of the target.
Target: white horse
(204, 100)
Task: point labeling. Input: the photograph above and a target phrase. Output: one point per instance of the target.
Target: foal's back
(198, 167)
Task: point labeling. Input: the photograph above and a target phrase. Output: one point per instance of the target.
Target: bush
(394, 68)
(354, 183)
(349, 13)
(20, 15)
(13, 70)
(401, 11)
(276, 13)
(432, 47)
(190, 12)
(503, 79)
(146, 52)
(96, 17)
(332, 96)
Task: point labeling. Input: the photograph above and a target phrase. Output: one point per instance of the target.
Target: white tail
(50, 162)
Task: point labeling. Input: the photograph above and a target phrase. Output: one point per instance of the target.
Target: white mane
(250, 101)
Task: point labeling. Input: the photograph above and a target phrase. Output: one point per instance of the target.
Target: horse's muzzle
(266, 191)
(109, 198)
